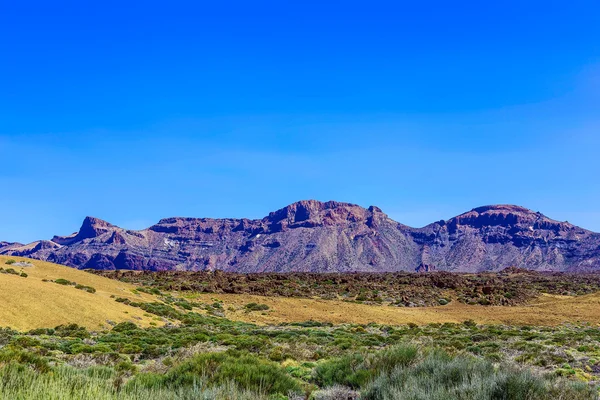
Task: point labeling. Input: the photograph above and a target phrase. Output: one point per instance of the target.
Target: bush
(470, 323)
(13, 272)
(247, 372)
(256, 307)
(32, 360)
(62, 281)
(442, 377)
(356, 370)
(345, 371)
(125, 327)
(10, 261)
(6, 335)
(71, 330)
(88, 289)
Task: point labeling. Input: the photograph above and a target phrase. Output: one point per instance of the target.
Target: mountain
(313, 236)
(8, 245)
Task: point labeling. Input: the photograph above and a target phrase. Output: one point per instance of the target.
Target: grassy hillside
(36, 301)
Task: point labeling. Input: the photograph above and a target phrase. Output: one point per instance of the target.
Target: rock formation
(313, 236)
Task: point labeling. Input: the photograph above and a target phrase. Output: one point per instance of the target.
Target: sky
(135, 111)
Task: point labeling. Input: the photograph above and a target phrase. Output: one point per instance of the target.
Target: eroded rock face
(313, 236)
(6, 245)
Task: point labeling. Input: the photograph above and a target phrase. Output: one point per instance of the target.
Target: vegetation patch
(441, 376)
(256, 307)
(510, 287)
(66, 282)
(12, 271)
(200, 354)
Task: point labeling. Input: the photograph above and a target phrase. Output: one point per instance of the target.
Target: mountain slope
(329, 236)
(30, 302)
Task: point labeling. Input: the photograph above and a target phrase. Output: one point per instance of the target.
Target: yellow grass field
(546, 311)
(27, 303)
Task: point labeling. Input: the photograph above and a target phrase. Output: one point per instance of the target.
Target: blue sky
(138, 111)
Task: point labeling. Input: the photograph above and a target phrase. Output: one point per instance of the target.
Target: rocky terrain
(509, 287)
(313, 236)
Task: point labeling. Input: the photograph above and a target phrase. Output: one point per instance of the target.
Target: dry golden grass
(28, 303)
(546, 311)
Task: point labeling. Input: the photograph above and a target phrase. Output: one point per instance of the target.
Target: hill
(313, 236)
(38, 301)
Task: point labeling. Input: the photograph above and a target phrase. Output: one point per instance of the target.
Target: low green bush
(88, 289)
(442, 377)
(256, 307)
(247, 372)
(356, 370)
(29, 359)
(11, 271)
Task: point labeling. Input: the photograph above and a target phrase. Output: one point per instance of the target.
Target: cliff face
(492, 237)
(313, 236)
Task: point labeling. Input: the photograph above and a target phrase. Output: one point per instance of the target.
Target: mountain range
(314, 236)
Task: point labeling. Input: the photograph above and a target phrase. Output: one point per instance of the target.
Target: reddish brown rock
(313, 236)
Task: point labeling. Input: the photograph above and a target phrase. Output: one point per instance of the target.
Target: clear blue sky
(134, 111)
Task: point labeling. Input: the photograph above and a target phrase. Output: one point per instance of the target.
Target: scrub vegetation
(510, 287)
(192, 345)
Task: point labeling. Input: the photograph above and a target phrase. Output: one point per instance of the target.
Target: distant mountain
(315, 236)
(9, 245)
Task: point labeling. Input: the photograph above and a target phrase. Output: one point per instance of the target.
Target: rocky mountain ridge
(314, 236)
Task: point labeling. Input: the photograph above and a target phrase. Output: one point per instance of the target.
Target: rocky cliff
(313, 236)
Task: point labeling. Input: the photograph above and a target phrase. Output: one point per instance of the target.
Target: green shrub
(13, 272)
(88, 289)
(71, 330)
(356, 370)
(442, 377)
(393, 357)
(125, 327)
(10, 261)
(216, 369)
(62, 281)
(28, 358)
(256, 307)
(470, 323)
(346, 371)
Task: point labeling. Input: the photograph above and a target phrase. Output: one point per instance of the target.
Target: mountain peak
(310, 213)
(507, 215)
(312, 235)
(502, 208)
(91, 227)
(93, 221)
